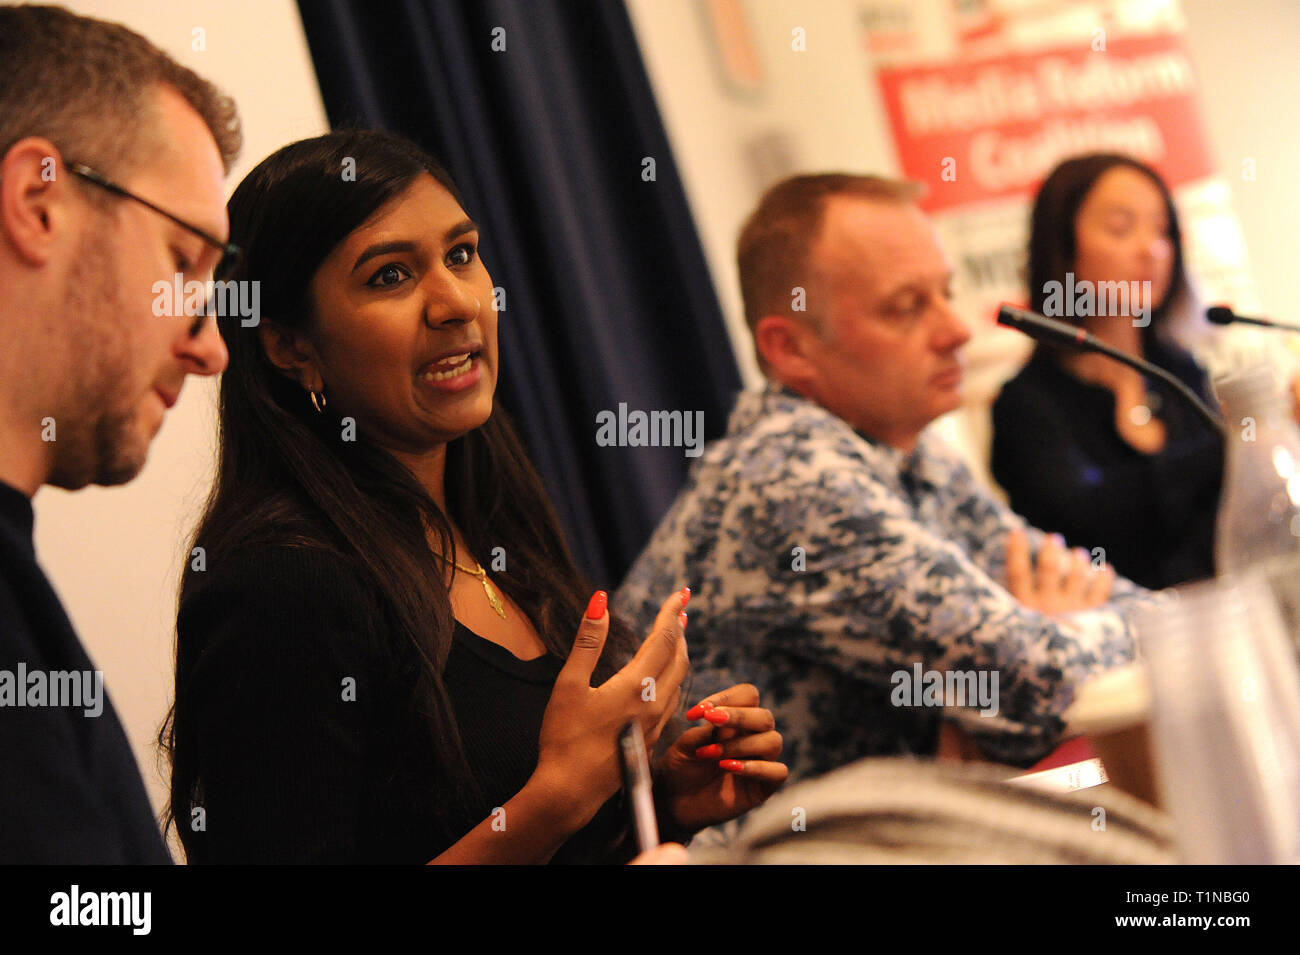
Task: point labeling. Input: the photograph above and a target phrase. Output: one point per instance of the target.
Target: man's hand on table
(1063, 582)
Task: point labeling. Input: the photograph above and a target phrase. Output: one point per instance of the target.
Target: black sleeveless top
(300, 723)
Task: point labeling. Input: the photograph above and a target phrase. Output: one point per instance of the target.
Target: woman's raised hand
(578, 749)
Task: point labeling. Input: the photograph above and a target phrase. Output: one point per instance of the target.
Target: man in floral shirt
(842, 559)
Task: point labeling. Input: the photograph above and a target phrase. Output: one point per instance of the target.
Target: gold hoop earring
(318, 401)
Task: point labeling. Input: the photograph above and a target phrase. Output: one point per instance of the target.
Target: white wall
(1247, 54)
(817, 111)
(115, 555)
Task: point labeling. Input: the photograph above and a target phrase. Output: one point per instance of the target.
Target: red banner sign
(991, 128)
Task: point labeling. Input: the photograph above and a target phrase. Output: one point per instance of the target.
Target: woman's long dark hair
(1052, 237)
(283, 477)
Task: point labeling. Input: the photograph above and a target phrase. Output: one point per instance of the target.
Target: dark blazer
(71, 792)
(1065, 468)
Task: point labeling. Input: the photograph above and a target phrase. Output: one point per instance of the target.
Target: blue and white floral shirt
(823, 565)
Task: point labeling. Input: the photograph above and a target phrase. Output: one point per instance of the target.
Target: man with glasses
(112, 166)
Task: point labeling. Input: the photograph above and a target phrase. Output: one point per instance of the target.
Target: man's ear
(34, 193)
(291, 353)
(783, 342)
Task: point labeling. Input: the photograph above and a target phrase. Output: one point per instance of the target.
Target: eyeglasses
(88, 174)
(226, 248)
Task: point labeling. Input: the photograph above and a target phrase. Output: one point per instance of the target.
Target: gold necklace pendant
(481, 575)
(492, 597)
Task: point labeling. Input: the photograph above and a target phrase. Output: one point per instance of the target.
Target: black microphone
(1046, 329)
(1062, 333)
(1224, 315)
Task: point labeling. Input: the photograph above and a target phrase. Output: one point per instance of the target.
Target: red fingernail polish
(698, 710)
(682, 617)
(596, 607)
(686, 596)
(712, 751)
(716, 717)
(732, 765)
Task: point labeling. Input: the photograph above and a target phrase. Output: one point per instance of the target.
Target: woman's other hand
(724, 768)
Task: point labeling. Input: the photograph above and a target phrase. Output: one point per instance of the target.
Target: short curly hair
(773, 246)
(85, 85)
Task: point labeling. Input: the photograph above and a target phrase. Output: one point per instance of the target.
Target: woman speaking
(385, 652)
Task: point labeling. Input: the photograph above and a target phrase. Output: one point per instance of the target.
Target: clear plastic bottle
(1226, 690)
(1259, 509)
(1225, 721)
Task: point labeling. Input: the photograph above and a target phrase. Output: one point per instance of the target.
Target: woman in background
(1081, 443)
(353, 683)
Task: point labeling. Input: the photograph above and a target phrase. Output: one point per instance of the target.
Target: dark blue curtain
(608, 298)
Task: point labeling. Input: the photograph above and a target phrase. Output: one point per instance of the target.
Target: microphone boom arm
(1146, 368)
(1042, 328)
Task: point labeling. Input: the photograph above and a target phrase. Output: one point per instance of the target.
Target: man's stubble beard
(97, 439)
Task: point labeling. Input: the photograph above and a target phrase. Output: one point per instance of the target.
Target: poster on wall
(999, 93)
